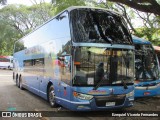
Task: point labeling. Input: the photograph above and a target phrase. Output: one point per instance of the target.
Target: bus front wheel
(51, 96)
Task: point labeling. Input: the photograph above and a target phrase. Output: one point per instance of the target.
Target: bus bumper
(94, 105)
(147, 91)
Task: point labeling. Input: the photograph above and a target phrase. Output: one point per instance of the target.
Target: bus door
(65, 71)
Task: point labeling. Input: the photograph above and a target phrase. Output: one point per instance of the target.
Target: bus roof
(137, 40)
(79, 7)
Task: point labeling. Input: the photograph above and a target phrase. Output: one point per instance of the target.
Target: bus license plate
(110, 103)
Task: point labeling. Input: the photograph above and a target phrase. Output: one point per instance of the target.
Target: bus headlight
(82, 96)
(130, 94)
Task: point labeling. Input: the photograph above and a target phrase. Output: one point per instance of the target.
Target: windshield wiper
(98, 84)
(124, 85)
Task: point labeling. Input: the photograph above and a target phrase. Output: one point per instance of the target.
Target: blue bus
(147, 79)
(81, 59)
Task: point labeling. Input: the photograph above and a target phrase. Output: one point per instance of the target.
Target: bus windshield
(99, 26)
(111, 66)
(4, 59)
(146, 65)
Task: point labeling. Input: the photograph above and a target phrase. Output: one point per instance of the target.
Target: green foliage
(8, 36)
(18, 20)
(150, 34)
(150, 28)
(60, 5)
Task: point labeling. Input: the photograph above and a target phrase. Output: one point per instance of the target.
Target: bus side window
(66, 69)
(39, 62)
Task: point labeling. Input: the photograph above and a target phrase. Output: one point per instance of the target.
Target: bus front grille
(101, 101)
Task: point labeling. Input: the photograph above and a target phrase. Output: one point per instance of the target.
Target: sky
(25, 2)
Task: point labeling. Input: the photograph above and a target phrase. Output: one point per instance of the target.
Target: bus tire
(51, 97)
(9, 68)
(17, 80)
(20, 83)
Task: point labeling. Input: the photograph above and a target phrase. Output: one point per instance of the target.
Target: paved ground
(14, 99)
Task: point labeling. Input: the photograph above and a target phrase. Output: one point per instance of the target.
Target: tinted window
(34, 62)
(146, 65)
(112, 66)
(4, 60)
(99, 26)
(34, 66)
(56, 29)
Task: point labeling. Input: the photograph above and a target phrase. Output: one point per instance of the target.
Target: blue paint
(148, 87)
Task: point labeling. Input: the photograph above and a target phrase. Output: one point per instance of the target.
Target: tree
(60, 5)
(18, 20)
(151, 22)
(151, 27)
(149, 6)
(8, 36)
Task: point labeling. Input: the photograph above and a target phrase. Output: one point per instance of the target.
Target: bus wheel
(17, 80)
(9, 68)
(20, 83)
(51, 97)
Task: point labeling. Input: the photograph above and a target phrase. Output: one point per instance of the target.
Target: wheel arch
(48, 86)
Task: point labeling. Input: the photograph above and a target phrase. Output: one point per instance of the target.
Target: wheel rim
(52, 97)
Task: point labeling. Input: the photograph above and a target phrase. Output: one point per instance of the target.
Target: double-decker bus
(82, 59)
(6, 62)
(147, 80)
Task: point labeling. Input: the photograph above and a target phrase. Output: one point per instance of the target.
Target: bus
(157, 50)
(147, 79)
(6, 62)
(81, 59)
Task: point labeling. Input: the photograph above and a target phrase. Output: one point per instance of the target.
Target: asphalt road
(14, 99)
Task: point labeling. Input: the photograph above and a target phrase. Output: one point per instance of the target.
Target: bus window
(39, 62)
(35, 66)
(146, 69)
(145, 62)
(99, 27)
(117, 64)
(4, 60)
(66, 69)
